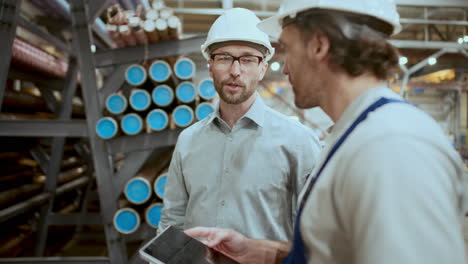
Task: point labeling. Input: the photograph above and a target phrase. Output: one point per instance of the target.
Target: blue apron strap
(297, 254)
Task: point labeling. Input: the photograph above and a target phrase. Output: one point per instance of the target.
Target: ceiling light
(275, 66)
(432, 61)
(465, 39)
(403, 60)
(460, 41)
(93, 48)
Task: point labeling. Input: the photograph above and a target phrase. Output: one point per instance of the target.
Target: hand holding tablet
(175, 247)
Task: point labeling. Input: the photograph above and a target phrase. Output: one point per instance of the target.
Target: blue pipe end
(157, 120)
(126, 220)
(106, 128)
(182, 116)
(131, 124)
(186, 92)
(206, 89)
(159, 185)
(135, 75)
(203, 110)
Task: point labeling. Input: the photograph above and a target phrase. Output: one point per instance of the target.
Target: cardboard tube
(162, 28)
(174, 26)
(127, 35)
(149, 26)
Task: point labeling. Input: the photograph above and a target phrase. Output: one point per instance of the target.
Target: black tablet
(173, 246)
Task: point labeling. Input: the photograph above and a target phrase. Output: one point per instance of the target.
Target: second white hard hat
(381, 9)
(237, 24)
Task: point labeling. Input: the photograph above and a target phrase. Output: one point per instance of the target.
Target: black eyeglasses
(226, 60)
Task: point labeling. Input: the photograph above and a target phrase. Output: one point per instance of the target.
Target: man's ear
(318, 47)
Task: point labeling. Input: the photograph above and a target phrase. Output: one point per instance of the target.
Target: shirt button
(222, 203)
(230, 138)
(226, 170)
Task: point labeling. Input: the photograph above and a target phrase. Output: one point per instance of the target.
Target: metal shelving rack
(100, 157)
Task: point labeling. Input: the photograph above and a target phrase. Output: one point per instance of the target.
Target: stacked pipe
(21, 195)
(30, 57)
(143, 198)
(21, 179)
(160, 94)
(157, 98)
(24, 101)
(60, 13)
(21, 190)
(23, 105)
(130, 28)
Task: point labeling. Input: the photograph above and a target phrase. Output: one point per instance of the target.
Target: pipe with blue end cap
(131, 124)
(163, 97)
(107, 128)
(184, 68)
(157, 120)
(126, 220)
(160, 71)
(138, 190)
(159, 184)
(140, 100)
(135, 75)
(203, 110)
(183, 116)
(116, 104)
(186, 93)
(206, 89)
(153, 214)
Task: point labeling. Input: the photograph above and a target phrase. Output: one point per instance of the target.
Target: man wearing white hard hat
(388, 187)
(244, 165)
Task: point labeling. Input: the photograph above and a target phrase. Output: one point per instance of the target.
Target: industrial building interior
(65, 175)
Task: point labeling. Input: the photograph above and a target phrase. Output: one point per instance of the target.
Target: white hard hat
(237, 24)
(381, 9)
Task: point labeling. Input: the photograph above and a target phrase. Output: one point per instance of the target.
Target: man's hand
(226, 241)
(239, 247)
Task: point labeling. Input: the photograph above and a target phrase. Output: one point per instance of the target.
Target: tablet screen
(175, 247)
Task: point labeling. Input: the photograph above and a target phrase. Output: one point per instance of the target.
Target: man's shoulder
(291, 129)
(400, 119)
(283, 122)
(195, 129)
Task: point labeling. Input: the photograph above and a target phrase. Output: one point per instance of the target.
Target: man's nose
(235, 68)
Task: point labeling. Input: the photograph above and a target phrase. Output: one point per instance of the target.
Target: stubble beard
(246, 91)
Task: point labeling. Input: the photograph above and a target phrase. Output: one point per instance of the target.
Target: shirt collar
(256, 113)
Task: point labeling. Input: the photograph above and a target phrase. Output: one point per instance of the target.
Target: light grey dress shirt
(247, 178)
